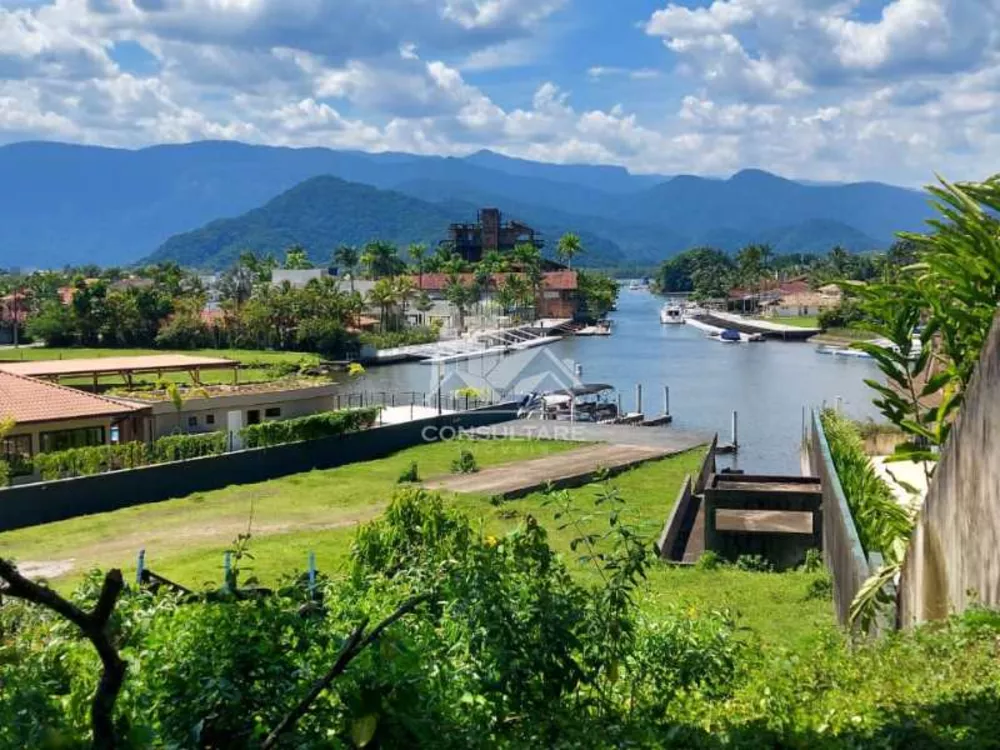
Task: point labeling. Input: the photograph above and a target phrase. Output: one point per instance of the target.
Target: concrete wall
(954, 557)
(299, 402)
(45, 502)
(842, 550)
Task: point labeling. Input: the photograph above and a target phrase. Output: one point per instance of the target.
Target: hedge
(313, 427)
(879, 518)
(98, 459)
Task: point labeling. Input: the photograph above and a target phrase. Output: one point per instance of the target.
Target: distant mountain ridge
(64, 203)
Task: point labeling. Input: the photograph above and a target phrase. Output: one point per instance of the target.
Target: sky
(888, 90)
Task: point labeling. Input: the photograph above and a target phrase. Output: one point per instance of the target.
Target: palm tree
(569, 247)
(417, 254)
(348, 257)
(296, 259)
(382, 259)
(405, 289)
(384, 295)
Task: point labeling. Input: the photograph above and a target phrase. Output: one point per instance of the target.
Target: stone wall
(953, 560)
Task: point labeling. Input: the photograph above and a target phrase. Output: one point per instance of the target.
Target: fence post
(736, 429)
(666, 400)
(312, 575)
(140, 566)
(638, 398)
(619, 394)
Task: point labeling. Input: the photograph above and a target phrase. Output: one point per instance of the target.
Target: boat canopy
(583, 390)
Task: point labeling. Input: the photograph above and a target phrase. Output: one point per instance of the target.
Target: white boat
(672, 315)
(634, 286)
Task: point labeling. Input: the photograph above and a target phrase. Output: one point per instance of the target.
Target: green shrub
(4, 474)
(754, 563)
(813, 562)
(878, 517)
(820, 588)
(409, 475)
(313, 427)
(465, 463)
(408, 337)
(709, 561)
(98, 459)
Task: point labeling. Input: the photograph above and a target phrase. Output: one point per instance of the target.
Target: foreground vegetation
(485, 641)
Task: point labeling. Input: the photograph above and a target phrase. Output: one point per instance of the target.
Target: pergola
(127, 367)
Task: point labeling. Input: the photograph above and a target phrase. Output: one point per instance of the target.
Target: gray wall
(842, 550)
(34, 504)
(955, 549)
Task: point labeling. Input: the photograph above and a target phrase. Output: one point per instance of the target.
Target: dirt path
(222, 530)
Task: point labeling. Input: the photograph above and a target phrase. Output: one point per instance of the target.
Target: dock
(766, 328)
(709, 329)
(488, 343)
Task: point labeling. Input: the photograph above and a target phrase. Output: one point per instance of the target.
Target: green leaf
(363, 730)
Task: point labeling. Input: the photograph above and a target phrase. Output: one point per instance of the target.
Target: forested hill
(73, 204)
(324, 212)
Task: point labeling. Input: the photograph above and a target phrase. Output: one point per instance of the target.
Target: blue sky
(892, 90)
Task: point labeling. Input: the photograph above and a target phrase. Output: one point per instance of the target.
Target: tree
(461, 297)
(598, 294)
(418, 253)
(752, 263)
(348, 257)
(53, 323)
(382, 259)
(404, 289)
(296, 259)
(569, 247)
(383, 294)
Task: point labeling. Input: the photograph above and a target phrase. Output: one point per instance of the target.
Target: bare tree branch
(353, 646)
(94, 626)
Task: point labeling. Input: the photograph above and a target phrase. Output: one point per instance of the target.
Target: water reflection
(768, 383)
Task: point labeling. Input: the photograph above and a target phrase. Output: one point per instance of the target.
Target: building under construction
(489, 233)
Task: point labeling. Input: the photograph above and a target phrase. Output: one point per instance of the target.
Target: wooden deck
(571, 469)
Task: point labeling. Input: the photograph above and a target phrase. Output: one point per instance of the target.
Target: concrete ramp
(571, 469)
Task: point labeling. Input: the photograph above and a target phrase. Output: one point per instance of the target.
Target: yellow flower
(492, 541)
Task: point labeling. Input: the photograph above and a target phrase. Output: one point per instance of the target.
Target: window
(273, 413)
(192, 421)
(16, 451)
(253, 416)
(61, 440)
(210, 419)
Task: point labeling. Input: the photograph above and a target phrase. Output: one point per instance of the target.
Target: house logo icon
(509, 378)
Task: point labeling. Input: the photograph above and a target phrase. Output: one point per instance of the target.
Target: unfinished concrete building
(489, 233)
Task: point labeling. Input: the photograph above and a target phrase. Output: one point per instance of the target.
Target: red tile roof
(551, 281)
(29, 400)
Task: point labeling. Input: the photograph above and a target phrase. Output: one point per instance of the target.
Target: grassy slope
(801, 321)
(318, 511)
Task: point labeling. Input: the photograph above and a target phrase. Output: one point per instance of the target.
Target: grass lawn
(318, 511)
(257, 366)
(800, 321)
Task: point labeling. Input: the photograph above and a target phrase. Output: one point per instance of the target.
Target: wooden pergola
(56, 370)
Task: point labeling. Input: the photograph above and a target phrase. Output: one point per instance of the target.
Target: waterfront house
(48, 417)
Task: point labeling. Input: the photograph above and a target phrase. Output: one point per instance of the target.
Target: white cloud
(803, 87)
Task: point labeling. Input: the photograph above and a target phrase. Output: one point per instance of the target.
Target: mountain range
(202, 203)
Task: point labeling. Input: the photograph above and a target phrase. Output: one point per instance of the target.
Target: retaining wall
(674, 538)
(842, 550)
(44, 502)
(953, 560)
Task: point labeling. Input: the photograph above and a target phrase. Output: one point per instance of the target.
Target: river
(766, 383)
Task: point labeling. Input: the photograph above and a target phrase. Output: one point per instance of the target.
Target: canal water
(768, 383)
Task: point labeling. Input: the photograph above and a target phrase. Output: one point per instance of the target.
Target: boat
(633, 286)
(672, 315)
(730, 336)
(584, 403)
